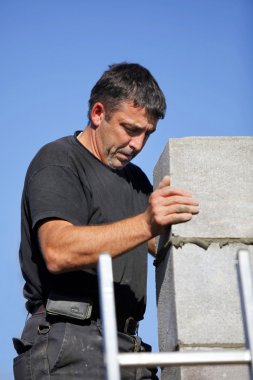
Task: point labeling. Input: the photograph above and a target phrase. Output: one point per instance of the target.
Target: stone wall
(197, 288)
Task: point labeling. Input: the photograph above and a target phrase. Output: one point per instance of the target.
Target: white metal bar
(108, 316)
(184, 358)
(246, 289)
(113, 360)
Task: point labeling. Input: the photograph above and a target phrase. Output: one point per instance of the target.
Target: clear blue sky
(53, 51)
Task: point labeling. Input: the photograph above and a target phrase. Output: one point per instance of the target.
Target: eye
(132, 131)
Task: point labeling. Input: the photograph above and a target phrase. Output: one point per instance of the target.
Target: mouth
(124, 158)
(120, 159)
(125, 155)
(128, 156)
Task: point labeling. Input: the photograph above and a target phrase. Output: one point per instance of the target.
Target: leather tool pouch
(69, 307)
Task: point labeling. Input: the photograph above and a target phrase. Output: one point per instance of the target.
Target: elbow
(53, 264)
(58, 262)
(54, 268)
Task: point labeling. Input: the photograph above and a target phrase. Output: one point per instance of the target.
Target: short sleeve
(56, 192)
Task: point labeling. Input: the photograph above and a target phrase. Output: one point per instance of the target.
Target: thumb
(164, 182)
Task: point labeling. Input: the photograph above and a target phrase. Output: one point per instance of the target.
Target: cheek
(113, 139)
(121, 139)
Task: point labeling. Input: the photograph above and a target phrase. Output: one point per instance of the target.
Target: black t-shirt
(66, 181)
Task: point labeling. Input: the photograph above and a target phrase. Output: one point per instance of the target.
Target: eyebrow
(136, 128)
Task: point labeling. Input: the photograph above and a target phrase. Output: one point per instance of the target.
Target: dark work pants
(65, 351)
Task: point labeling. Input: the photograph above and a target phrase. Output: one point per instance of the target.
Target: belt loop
(44, 328)
(131, 326)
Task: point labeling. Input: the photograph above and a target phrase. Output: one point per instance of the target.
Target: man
(81, 197)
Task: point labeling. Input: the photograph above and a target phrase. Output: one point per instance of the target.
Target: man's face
(123, 136)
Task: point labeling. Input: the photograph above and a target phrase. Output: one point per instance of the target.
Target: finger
(184, 209)
(169, 191)
(164, 182)
(172, 218)
(179, 218)
(178, 199)
(178, 209)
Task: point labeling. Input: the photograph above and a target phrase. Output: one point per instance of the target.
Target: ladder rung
(184, 358)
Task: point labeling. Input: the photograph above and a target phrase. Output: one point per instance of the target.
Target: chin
(117, 165)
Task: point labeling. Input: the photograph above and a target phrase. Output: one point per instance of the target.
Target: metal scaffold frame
(114, 360)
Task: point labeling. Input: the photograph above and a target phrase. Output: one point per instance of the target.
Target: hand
(169, 205)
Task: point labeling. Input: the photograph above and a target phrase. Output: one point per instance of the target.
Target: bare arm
(68, 247)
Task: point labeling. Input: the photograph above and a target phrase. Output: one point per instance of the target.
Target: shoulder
(52, 155)
(55, 152)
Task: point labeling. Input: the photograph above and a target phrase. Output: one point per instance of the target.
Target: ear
(97, 114)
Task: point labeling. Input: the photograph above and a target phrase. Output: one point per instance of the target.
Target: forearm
(67, 247)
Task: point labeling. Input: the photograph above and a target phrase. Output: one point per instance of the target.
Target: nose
(137, 142)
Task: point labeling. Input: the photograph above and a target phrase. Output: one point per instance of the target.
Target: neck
(88, 139)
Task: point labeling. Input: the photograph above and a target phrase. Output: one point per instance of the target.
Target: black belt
(126, 325)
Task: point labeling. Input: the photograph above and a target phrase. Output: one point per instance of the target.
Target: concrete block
(165, 292)
(224, 372)
(207, 297)
(196, 277)
(199, 307)
(218, 171)
(214, 372)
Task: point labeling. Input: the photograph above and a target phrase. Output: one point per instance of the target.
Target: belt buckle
(131, 326)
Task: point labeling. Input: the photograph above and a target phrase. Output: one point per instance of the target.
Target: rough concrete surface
(207, 296)
(224, 372)
(199, 307)
(165, 291)
(218, 171)
(197, 284)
